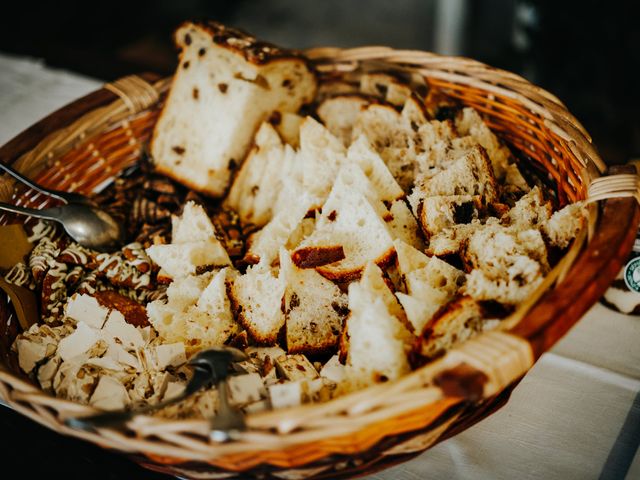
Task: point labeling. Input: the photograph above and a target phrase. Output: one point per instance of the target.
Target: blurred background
(585, 52)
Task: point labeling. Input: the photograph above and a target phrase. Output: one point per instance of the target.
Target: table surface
(575, 415)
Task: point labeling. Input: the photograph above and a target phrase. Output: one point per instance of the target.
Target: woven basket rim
(519, 354)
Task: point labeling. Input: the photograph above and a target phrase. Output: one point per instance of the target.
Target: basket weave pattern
(385, 423)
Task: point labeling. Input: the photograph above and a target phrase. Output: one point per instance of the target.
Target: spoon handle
(66, 197)
(47, 213)
(201, 377)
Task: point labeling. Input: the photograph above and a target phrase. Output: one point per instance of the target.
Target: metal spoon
(87, 224)
(208, 367)
(66, 197)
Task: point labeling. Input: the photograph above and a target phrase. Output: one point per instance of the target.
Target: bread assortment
(341, 233)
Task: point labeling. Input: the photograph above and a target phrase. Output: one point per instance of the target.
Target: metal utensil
(90, 226)
(209, 366)
(66, 197)
(84, 221)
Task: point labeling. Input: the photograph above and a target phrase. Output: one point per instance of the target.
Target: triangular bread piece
(314, 309)
(255, 189)
(257, 300)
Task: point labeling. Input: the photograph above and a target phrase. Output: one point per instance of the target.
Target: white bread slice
(451, 240)
(386, 86)
(339, 114)
(255, 190)
(227, 83)
(321, 155)
(182, 259)
(349, 234)
(185, 292)
(257, 299)
(192, 225)
(471, 174)
(533, 211)
(390, 134)
(314, 309)
(469, 123)
(409, 258)
(266, 243)
(376, 346)
(507, 263)
(564, 225)
(530, 211)
(331, 87)
(414, 113)
(438, 213)
(454, 323)
(403, 224)
(430, 283)
(372, 281)
(288, 126)
(361, 153)
(198, 320)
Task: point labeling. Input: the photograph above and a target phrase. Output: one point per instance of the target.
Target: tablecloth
(576, 415)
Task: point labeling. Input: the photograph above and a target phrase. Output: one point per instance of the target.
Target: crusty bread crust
(349, 275)
(312, 257)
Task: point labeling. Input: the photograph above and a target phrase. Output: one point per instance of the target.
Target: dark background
(585, 52)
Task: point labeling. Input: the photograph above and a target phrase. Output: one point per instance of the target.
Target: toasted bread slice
(314, 309)
(226, 85)
(454, 323)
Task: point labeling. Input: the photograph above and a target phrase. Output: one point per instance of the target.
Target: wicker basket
(92, 139)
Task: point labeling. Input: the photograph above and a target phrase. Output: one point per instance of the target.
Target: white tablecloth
(576, 415)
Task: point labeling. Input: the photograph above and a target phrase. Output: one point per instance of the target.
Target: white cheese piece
(170, 355)
(47, 372)
(30, 353)
(117, 327)
(118, 353)
(245, 389)
(283, 395)
(246, 366)
(295, 367)
(173, 390)
(256, 407)
(106, 363)
(110, 394)
(85, 308)
(259, 353)
(333, 370)
(80, 341)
